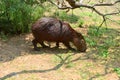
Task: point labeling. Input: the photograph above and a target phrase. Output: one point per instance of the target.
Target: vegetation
(16, 16)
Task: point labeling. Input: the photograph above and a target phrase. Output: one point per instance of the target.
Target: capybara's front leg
(35, 45)
(68, 45)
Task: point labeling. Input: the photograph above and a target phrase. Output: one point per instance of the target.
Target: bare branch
(77, 4)
(106, 4)
(114, 13)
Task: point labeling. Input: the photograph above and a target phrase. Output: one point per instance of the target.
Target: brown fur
(54, 30)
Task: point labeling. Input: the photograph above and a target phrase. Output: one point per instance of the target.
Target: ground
(18, 61)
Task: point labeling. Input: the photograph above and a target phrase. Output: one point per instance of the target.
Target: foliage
(37, 13)
(16, 15)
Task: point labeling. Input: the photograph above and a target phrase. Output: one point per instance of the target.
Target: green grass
(101, 40)
(117, 70)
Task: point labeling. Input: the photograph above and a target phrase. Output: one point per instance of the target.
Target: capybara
(54, 30)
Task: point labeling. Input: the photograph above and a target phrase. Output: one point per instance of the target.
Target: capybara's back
(54, 30)
(50, 29)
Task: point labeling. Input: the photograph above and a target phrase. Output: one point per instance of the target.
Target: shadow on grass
(34, 71)
(18, 46)
(62, 62)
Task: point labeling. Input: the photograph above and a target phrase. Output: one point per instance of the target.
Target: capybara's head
(80, 42)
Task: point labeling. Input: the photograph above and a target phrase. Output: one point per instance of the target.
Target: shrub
(17, 15)
(37, 13)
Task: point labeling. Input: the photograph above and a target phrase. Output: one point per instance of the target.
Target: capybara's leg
(57, 45)
(68, 45)
(35, 44)
(42, 44)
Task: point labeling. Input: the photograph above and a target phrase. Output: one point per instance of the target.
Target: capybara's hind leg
(42, 44)
(68, 45)
(35, 44)
(57, 45)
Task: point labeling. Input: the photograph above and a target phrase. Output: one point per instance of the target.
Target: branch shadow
(62, 62)
(31, 51)
(31, 71)
(106, 71)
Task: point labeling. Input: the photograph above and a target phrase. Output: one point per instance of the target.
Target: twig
(107, 4)
(59, 6)
(104, 20)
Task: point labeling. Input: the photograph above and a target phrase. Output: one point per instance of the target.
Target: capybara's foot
(82, 50)
(56, 47)
(37, 49)
(45, 46)
(72, 49)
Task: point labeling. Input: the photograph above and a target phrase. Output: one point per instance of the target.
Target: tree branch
(74, 4)
(104, 21)
(77, 4)
(107, 4)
